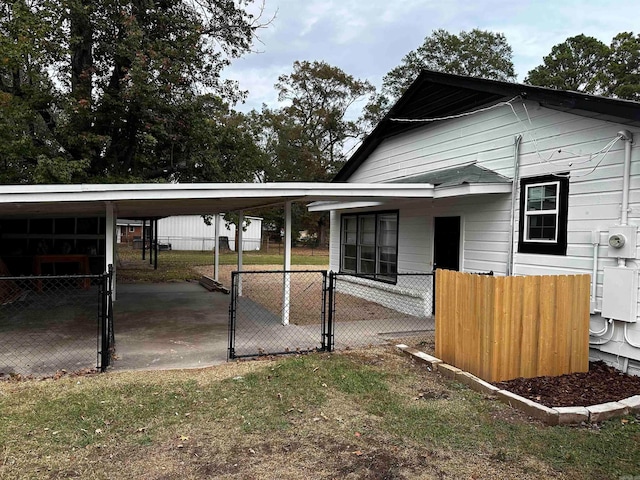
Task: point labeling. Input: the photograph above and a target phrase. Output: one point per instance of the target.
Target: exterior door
(446, 243)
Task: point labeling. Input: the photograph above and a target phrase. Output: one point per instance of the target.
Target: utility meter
(617, 240)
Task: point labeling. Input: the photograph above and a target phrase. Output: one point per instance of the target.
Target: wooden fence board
(506, 327)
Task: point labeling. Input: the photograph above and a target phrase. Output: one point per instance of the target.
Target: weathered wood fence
(499, 328)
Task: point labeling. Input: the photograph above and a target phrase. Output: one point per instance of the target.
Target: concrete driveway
(169, 325)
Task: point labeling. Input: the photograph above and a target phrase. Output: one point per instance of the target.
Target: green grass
(295, 411)
(177, 265)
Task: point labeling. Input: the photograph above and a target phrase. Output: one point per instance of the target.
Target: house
(190, 232)
(526, 181)
(128, 230)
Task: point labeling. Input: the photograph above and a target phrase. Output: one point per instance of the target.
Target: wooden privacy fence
(499, 328)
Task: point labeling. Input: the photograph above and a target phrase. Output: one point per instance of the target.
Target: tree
(110, 90)
(624, 67)
(577, 64)
(305, 139)
(477, 53)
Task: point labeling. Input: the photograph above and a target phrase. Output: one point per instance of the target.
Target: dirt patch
(600, 384)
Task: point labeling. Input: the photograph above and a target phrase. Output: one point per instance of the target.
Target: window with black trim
(369, 244)
(544, 203)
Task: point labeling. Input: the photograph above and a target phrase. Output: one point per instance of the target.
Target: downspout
(627, 136)
(514, 190)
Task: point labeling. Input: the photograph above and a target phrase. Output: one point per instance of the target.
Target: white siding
(189, 232)
(553, 142)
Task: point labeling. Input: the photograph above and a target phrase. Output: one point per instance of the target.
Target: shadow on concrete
(169, 325)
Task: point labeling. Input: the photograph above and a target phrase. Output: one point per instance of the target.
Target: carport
(109, 202)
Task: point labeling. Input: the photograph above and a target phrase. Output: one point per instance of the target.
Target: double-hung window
(369, 244)
(543, 215)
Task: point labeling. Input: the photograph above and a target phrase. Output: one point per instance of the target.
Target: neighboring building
(574, 209)
(190, 232)
(128, 230)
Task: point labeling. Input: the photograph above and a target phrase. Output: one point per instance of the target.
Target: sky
(367, 38)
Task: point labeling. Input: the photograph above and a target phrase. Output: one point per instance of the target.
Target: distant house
(190, 232)
(128, 230)
(526, 181)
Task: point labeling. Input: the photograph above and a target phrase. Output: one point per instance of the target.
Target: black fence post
(331, 312)
(323, 313)
(231, 353)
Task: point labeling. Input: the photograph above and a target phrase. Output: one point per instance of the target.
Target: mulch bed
(600, 384)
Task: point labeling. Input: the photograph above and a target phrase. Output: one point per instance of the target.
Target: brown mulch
(600, 384)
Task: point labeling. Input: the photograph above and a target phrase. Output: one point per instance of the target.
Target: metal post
(286, 281)
(330, 313)
(216, 248)
(231, 354)
(144, 238)
(151, 235)
(239, 248)
(323, 313)
(155, 256)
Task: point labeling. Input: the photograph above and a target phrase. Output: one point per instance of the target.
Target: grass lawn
(362, 414)
(174, 265)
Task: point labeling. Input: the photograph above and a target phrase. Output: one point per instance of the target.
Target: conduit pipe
(514, 190)
(627, 136)
(613, 326)
(595, 241)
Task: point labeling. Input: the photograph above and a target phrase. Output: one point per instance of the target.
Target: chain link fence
(278, 312)
(264, 322)
(54, 323)
(366, 312)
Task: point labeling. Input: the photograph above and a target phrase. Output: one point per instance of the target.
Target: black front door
(446, 243)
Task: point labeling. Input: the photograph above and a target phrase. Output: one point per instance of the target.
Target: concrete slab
(170, 325)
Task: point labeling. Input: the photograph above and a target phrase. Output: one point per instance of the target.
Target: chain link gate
(50, 323)
(277, 312)
(325, 310)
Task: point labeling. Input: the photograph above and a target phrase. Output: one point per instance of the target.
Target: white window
(541, 212)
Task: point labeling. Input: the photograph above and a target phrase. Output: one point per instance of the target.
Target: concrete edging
(550, 416)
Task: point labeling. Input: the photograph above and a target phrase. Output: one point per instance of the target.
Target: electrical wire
(601, 332)
(613, 325)
(451, 117)
(626, 339)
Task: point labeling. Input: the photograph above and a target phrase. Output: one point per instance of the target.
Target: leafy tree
(305, 140)
(476, 53)
(624, 67)
(110, 90)
(576, 64)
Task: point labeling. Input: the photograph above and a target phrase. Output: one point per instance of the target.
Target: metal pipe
(595, 241)
(514, 190)
(627, 136)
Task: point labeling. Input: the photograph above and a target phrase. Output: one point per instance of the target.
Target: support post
(155, 255)
(144, 238)
(110, 243)
(239, 248)
(216, 247)
(286, 283)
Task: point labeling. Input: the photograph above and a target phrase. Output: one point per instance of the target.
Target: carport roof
(161, 200)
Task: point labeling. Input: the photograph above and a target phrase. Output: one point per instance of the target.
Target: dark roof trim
(436, 94)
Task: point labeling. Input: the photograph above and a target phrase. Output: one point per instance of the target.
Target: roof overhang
(443, 191)
(161, 200)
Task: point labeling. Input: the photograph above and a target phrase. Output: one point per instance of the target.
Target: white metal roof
(159, 200)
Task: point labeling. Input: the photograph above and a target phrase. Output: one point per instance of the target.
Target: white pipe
(514, 190)
(286, 280)
(627, 339)
(627, 136)
(601, 332)
(613, 325)
(110, 244)
(595, 241)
